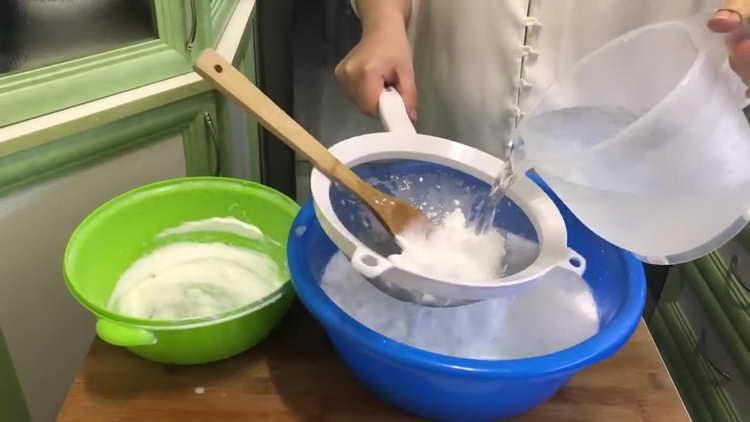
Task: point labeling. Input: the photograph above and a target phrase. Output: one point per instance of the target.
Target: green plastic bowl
(122, 230)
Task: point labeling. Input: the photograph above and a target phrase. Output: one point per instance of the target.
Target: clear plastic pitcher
(646, 142)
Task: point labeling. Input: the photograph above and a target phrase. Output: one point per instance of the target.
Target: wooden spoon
(395, 214)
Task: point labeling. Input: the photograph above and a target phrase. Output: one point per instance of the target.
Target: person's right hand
(381, 58)
(733, 19)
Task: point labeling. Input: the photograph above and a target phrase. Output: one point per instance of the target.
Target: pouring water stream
(485, 215)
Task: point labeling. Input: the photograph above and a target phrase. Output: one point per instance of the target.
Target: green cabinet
(191, 121)
(55, 55)
(77, 132)
(44, 193)
(240, 134)
(727, 275)
(705, 352)
(678, 368)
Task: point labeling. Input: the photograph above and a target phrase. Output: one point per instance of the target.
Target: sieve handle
(392, 111)
(369, 264)
(575, 262)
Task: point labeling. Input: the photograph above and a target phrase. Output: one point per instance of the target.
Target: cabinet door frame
(191, 118)
(220, 11)
(249, 68)
(183, 31)
(678, 369)
(711, 287)
(249, 132)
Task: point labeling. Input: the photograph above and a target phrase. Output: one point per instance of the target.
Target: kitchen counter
(296, 375)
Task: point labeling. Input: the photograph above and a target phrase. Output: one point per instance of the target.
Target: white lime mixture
(191, 279)
(216, 224)
(452, 251)
(551, 314)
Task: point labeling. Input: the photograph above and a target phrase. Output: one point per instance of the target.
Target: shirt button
(528, 51)
(524, 84)
(532, 22)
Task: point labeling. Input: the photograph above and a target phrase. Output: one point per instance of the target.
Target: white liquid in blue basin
(553, 313)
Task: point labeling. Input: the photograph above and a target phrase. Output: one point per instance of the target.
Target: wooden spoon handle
(232, 83)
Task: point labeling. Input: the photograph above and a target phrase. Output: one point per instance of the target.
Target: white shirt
(480, 64)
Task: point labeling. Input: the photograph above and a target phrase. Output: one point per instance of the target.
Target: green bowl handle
(123, 335)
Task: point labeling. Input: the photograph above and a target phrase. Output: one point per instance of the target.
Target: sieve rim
(533, 201)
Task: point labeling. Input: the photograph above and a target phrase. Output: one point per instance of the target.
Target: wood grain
(296, 376)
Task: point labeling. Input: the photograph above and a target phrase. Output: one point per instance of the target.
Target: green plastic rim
(270, 199)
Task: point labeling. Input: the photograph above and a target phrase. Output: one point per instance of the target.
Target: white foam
(216, 224)
(189, 280)
(551, 314)
(452, 251)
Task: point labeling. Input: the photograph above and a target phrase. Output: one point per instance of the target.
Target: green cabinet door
(44, 194)
(727, 272)
(678, 368)
(697, 349)
(82, 50)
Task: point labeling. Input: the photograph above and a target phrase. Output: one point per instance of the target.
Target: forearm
(376, 14)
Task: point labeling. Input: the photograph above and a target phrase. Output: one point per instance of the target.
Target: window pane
(35, 33)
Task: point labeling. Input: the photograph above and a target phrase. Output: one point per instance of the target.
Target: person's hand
(730, 20)
(382, 57)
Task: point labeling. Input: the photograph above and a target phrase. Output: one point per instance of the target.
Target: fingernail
(412, 112)
(726, 14)
(724, 21)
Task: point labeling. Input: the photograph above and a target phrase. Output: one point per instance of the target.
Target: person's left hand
(730, 19)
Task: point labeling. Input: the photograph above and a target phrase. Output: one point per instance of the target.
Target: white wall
(47, 332)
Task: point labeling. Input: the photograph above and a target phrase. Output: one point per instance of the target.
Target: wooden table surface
(296, 375)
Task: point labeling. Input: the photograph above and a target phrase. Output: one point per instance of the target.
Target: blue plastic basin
(447, 388)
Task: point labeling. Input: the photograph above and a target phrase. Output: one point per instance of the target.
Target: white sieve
(403, 142)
